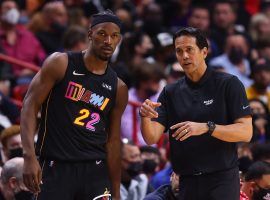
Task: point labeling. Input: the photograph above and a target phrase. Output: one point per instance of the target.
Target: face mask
(258, 116)
(11, 17)
(134, 169)
(149, 166)
(260, 85)
(18, 152)
(24, 195)
(261, 194)
(149, 53)
(58, 28)
(170, 59)
(236, 55)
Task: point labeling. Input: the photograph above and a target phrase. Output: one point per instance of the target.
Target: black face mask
(259, 116)
(261, 194)
(236, 55)
(58, 28)
(18, 152)
(149, 53)
(24, 195)
(170, 59)
(149, 166)
(134, 169)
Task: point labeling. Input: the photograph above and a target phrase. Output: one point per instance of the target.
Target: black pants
(223, 185)
(74, 181)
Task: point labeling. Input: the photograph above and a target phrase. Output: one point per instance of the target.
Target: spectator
(262, 49)
(75, 39)
(260, 120)
(256, 185)
(17, 41)
(126, 18)
(162, 177)
(134, 184)
(260, 73)
(140, 48)
(11, 141)
(166, 192)
(261, 152)
(152, 17)
(224, 18)
(199, 18)
(259, 27)
(12, 185)
(55, 20)
(76, 17)
(164, 51)
(8, 109)
(151, 160)
(244, 158)
(5, 68)
(146, 86)
(234, 60)
(179, 14)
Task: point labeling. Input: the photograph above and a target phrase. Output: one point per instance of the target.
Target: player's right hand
(148, 109)
(32, 174)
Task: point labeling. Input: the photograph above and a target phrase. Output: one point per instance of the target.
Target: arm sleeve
(236, 99)
(162, 110)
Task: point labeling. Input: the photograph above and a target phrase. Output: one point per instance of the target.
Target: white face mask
(12, 16)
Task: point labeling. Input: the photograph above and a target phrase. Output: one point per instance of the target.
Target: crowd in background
(238, 32)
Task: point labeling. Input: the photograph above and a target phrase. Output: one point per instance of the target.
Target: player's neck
(93, 64)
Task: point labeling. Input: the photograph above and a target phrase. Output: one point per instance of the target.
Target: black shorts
(74, 181)
(223, 185)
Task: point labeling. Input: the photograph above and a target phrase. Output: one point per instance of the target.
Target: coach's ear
(205, 52)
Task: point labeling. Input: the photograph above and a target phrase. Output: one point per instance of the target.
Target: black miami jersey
(75, 115)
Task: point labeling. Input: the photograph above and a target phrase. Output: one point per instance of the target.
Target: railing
(18, 62)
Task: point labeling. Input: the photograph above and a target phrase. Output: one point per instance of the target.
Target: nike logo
(245, 107)
(98, 162)
(77, 74)
(103, 195)
(208, 102)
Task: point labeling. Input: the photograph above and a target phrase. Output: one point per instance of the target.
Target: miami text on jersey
(77, 92)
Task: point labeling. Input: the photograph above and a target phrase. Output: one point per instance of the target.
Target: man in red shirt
(16, 40)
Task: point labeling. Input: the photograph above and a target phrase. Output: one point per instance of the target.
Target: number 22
(85, 114)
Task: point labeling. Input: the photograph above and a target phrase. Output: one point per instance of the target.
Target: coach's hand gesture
(187, 129)
(148, 109)
(32, 174)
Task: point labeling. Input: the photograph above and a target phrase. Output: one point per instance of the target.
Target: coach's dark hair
(201, 41)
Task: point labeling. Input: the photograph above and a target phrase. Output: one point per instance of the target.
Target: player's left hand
(187, 129)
